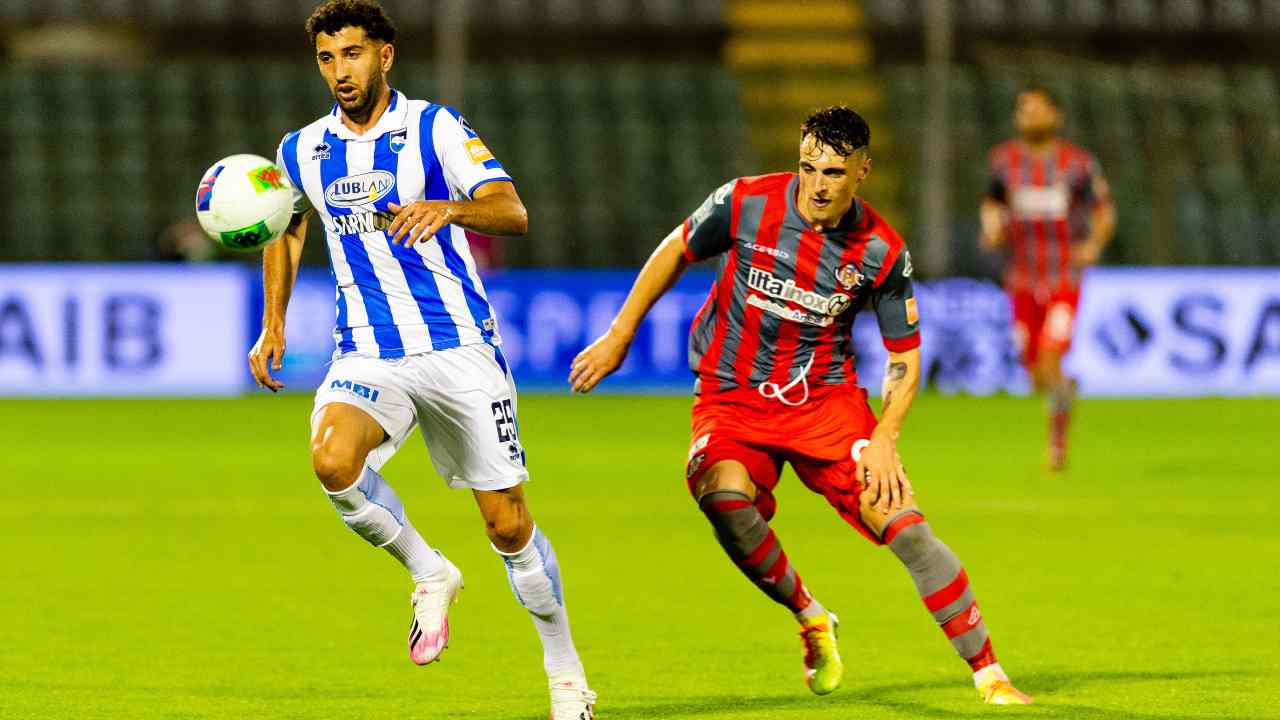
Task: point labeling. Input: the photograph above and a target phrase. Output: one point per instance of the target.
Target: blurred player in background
(798, 256)
(394, 181)
(1049, 210)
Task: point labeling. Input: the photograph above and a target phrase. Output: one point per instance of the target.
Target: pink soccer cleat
(429, 632)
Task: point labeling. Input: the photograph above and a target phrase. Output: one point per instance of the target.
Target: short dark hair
(1044, 92)
(333, 15)
(839, 127)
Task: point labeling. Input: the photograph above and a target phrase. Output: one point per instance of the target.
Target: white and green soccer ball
(244, 202)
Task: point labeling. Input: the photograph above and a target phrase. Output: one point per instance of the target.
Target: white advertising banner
(122, 329)
(1178, 331)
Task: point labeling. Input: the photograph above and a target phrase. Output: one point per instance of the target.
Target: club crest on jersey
(398, 140)
(321, 151)
(357, 190)
(849, 277)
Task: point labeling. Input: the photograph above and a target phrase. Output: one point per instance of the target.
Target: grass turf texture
(176, 559)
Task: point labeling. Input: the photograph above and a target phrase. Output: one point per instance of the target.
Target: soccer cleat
(429, 632)
(994, 687)
(571, 699)
(823, 670)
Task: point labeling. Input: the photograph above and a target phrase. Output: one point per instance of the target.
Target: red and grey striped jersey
(785, 294)
(1050, 200)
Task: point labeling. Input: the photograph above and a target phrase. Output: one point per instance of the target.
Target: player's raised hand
(597, 361)
(418, 221)
(267, 354)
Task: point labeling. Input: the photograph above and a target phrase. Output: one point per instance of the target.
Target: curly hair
(839, 127)
(333, 15)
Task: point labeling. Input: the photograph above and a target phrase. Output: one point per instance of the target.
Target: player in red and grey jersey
(782, 309)
(799, 255)
(1048, 208)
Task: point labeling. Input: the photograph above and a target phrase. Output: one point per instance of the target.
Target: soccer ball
(244, 202)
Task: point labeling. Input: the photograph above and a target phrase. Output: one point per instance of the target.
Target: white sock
(373, 510)
(989, 670)
(535, 579)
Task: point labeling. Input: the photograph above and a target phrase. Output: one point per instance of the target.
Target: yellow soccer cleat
(823, 669)
(994, 687)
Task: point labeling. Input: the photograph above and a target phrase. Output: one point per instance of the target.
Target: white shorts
(463, 399)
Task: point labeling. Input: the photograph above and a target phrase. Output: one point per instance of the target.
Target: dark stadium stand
(610, 151)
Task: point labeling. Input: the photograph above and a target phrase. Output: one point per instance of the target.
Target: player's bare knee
(336, 467)
(509, 530)
(726, 475)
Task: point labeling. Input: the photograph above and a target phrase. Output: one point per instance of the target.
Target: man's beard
(361, 113)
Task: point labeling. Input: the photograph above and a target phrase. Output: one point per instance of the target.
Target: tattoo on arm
(892, 376)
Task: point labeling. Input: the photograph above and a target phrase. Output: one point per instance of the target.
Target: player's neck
(1041, 146)
(379, 107)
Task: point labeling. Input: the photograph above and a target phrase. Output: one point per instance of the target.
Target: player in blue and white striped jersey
(394, 182)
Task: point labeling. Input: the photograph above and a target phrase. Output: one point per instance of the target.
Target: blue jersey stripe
(492, 165)
(385, 333)
(292, 163)
(290, 153)
(422, 282)
(438, 188)
(466, 127)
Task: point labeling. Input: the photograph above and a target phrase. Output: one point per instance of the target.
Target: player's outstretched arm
(279, 271)
(1102, 227)
(659, 273)
(992, 215)
(495, 209)
(878, 464)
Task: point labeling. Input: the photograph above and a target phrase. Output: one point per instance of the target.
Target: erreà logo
(362, 189)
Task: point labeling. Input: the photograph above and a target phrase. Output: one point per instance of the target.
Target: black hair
(333, 15)
(1043, 92)
(839, 127)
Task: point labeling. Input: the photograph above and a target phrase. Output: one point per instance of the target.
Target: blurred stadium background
(616, 118)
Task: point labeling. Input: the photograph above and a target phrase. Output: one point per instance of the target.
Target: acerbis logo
(363, 189)
(768, 250)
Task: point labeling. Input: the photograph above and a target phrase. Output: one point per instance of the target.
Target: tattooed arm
(901, 380)
(879, 464)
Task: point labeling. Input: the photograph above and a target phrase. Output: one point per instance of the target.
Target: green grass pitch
(176, 559)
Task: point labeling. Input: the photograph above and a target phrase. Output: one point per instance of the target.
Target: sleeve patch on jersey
(478, 152)
(913, 314)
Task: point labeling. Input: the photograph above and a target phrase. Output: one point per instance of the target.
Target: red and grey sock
(943, 586)
(751, 544)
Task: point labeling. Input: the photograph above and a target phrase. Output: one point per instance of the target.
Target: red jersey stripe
(826, 340)
(809, 252)
(775, 207)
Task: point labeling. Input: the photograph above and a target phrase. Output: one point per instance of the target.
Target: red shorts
(818, 438)
(1043, 321)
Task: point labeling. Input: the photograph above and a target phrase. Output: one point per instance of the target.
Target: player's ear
(387, 54)
(864, 166)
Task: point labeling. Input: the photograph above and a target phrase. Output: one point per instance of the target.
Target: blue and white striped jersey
(395, 301)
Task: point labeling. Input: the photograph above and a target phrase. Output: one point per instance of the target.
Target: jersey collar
(393, 118)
